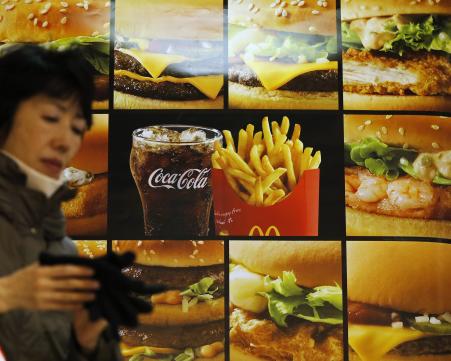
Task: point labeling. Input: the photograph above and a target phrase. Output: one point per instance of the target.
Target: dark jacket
(29, 224)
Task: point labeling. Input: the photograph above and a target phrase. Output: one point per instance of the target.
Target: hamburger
(86, 214)
(286, 302)
(62, 25)
(174, 61)
(283, 54)
(398, 175)
(396, 55)
(399, 301)
(187, 321)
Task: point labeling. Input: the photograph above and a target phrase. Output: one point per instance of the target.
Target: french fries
(265, 166)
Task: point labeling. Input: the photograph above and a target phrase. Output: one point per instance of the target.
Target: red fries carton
(296, 215)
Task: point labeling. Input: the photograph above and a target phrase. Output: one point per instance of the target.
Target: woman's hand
(57, 288)
(86, 331)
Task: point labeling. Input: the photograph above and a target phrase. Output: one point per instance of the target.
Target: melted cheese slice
(154, 63)
(371, 343)
(274, 75)
(209, 85)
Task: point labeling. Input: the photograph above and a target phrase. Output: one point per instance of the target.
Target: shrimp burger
(398, 175)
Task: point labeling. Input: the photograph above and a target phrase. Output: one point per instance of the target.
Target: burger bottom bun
(218, 357)
(246, 97)
(389, 357)
(238, 354)
(438, 103)
(129, 101)
(95, 225)
(172, 315)
(360, 223)
(100, 104)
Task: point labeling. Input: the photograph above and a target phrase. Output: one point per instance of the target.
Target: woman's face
(46, 133)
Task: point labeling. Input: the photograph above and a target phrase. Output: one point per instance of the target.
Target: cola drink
(171, 166)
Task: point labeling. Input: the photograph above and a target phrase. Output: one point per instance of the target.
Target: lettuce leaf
(378, 158)
(200, 291)
(349, 38)
(427, 35)
(95, 49)
(321, 304)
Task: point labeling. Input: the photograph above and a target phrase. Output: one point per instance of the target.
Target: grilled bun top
(357, 9)
(314, 263)
(170, 19)
(310, 18)
(48, 20)
(174, 253)
(420, 132)
(405, 276)
(93, 154)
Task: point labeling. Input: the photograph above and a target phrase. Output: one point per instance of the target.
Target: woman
(45, 108)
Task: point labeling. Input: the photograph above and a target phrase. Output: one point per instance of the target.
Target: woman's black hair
(29, 70)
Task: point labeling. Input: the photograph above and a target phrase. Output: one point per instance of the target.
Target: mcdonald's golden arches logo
(259, 231)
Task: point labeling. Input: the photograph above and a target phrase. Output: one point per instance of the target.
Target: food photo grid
(280, 170)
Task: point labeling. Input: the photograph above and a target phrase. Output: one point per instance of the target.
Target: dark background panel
(320, 130)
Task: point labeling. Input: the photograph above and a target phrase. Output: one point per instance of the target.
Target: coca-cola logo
(189, 179)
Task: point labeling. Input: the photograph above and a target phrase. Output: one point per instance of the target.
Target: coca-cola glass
(171, 166)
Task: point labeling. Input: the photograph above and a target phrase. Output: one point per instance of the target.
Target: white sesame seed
(378, 134)
(191, 256)
(294, 3)
(152, 251)
(388, 116)
(273, 5)
(312, 29)
(63, 10)
(283, 4)
(64, 4)
(139, 243)
(201, 260)
(200, 242)
(435, 145)
(284, 13)
(384, 130)
(10, 7)
(319, 3)
(45, 9)
(107, 4)
(196, 251)
(251, 6)
(315, 12)
(35, 22)
(45, 24)
(361, 127)
(86, 6)
(325, 4)
(30, 16)
(301, 3)
(64, 20)
(435, 127)
(402, 131)
(162, 241)
(367, 122)
(278, 12)
(79, 5)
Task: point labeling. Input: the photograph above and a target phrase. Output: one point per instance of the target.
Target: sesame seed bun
(359, 223)
(314, 263)
(356, 9)
(17, 25)
(445, 357)
(128, 101)
(355, 101)
(421, 132)
(174, 253)
(380, 273)
(298, 19)
(171, 19)
(91, 249)
(246, 97)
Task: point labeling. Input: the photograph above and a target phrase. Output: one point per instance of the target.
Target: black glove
(116, 300)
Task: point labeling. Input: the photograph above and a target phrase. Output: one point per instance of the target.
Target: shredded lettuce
(95, 49)
(442, 329)
(285, 47)
(200, 291)
(321, 304)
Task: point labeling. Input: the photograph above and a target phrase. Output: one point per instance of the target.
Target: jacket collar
(32, 207)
